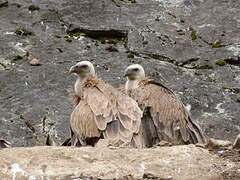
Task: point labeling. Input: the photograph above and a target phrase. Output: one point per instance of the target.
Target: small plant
(130, 55)
(194, 35)
(69, 39)
(217, 44)
(56, 36)
(4, 4)
(221, 62)
(204, 67)
(33, 7)
(22, 31)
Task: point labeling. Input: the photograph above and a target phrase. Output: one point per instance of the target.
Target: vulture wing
(74, 97)
(165, 117)
(105, 111)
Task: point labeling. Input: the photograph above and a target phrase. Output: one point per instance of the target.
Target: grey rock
(177, 42)
(217, 144)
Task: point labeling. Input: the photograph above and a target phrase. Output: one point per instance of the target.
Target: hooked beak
(129, 73)
(73, 69)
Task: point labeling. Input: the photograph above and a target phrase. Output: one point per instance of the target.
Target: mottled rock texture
(192, 46)
(65, 163)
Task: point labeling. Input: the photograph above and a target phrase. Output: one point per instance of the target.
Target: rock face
(178, 163)
(191, 46)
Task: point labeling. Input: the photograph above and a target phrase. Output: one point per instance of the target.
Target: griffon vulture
(165, 118)
(101, 111)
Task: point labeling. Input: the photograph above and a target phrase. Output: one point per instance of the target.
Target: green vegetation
(130, 55)
(4, 4)
(225, 87)
(204, 67)
(221, 62)
(56, 36)
(115, 3)
(1, 90)
(194, 35)
(217, 44)
(22, 31)
(232, 89)
(69, 39)
(33, 7)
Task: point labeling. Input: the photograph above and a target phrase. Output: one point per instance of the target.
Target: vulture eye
(84, 66)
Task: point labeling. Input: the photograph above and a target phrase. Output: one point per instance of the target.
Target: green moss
(1, 90)
(112, 49)
(22, 31)
(225, 87)
(69, 39)
(145, 42)
(56, 36)
(130, 55)
(204, 67)
(217, 44)
(115, 3)
(4, 4)
(231, 89)
(33, 7)
(194, 35)
(221, 62)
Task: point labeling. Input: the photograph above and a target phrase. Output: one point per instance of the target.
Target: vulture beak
(75, 69)
(129, 72)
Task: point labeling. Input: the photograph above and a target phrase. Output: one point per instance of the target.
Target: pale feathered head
(83, 69)
(134, 71)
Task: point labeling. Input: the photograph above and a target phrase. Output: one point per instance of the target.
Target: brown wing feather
(105, 111)
(74, 97)
(168, 114)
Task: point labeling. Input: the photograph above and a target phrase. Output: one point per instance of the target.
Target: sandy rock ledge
(179, 162)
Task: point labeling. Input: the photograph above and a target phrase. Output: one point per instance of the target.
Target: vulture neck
(131, 84)
(79, 84)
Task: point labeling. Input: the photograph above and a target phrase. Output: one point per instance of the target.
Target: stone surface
(177, 162)
(179, 42)
(218, 144)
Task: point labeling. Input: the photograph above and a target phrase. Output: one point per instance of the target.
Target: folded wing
(165, 117)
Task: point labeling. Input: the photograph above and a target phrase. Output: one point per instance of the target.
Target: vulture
(101, 111)
(165, 118)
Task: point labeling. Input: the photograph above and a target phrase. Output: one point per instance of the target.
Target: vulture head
(134, 72)
(83, 69)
